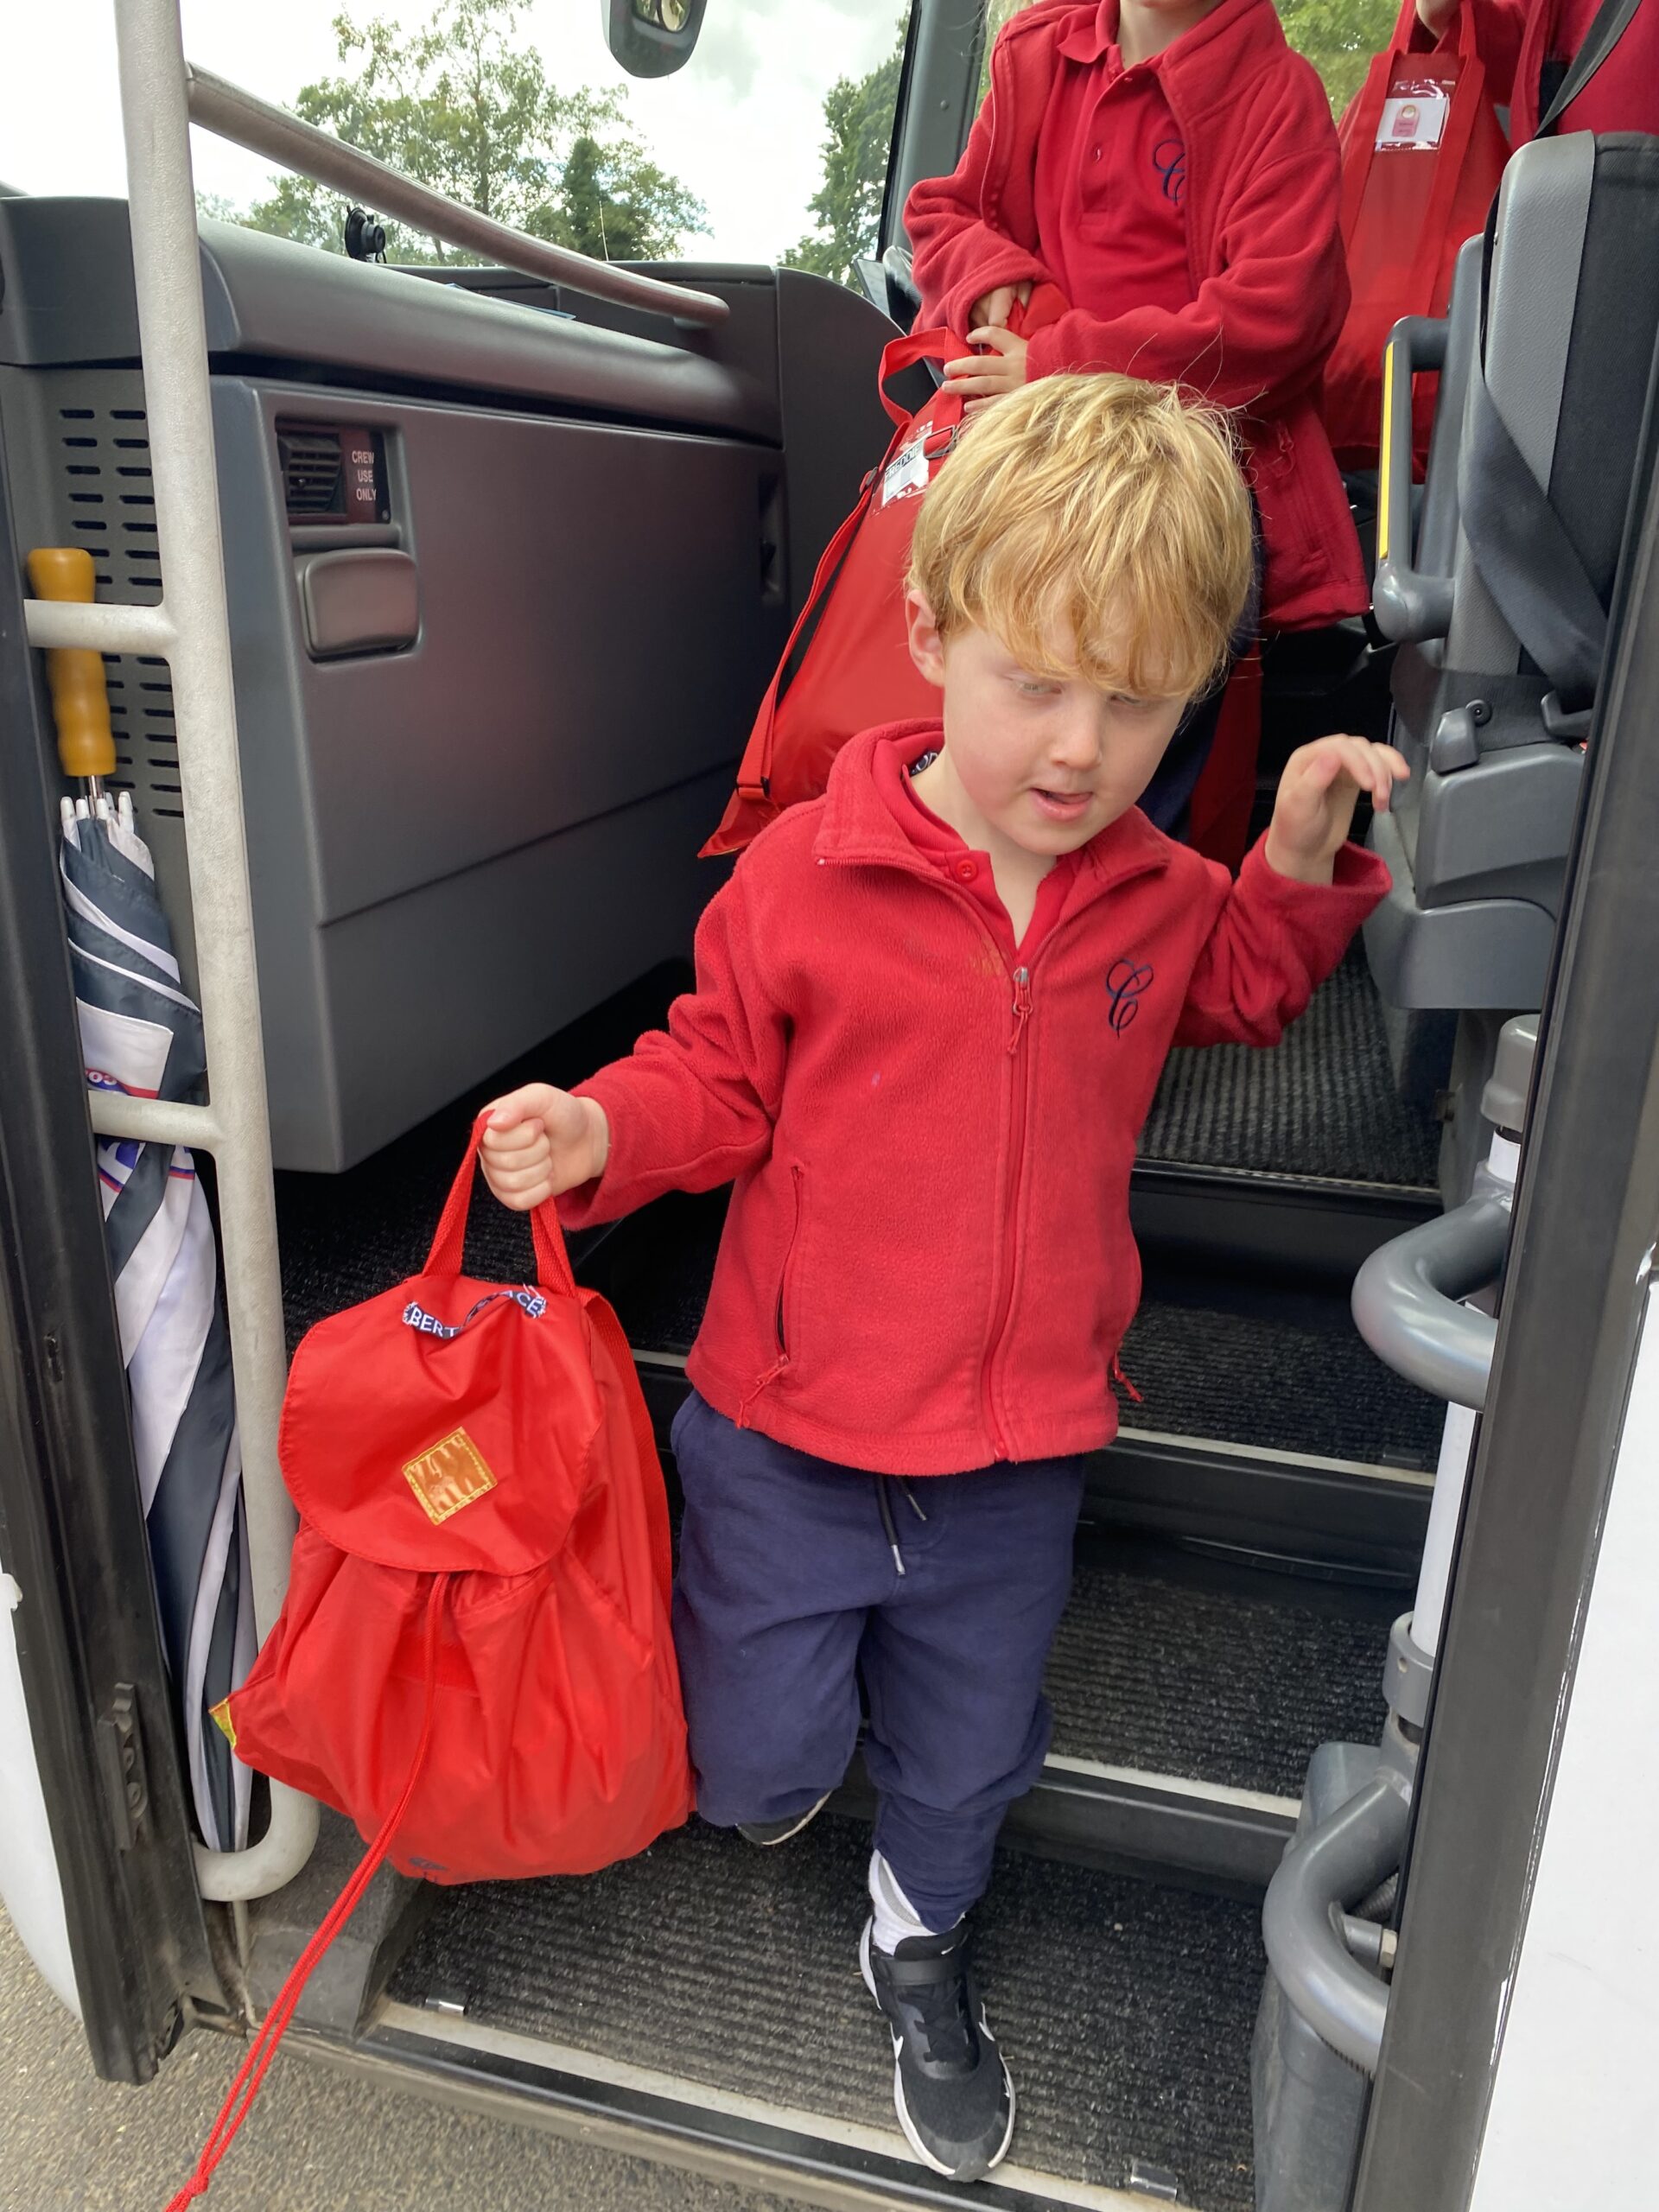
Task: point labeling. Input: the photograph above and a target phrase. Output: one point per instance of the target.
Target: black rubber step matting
(1322, 1103)
(1278, 1370)
(1231, 1678)
(1124, 2010)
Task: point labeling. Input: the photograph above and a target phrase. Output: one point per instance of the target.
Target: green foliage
(459, 108)
(1338, 37)
(846, 209)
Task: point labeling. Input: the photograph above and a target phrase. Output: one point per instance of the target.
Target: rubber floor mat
(1322, 1103)
(1234, 1683)
(1278, 1370)
(1124, 2010)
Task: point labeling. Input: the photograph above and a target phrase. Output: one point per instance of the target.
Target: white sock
(896, 1917)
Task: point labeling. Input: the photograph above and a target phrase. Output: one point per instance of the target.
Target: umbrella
(141, 1034)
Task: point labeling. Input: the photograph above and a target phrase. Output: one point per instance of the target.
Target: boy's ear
(926, 646)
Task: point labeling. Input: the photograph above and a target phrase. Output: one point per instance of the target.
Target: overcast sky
(741, 124)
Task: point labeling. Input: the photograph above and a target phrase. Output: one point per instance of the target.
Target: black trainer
(767, 1833)
(949, 2086)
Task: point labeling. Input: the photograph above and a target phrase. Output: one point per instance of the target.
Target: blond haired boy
(931, 1012)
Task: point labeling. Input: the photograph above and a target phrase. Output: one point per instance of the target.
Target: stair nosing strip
(674, 2089)
(1176, 1785)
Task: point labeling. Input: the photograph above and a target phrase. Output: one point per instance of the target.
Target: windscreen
(770, 145)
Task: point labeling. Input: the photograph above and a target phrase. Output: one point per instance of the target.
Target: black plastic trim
(1298, 1225)
(1124, 1823)
(1585, 1215)
(72, 1530)
(725, 2147)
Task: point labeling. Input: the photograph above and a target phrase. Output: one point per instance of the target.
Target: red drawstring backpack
(473, 1660)
(847, 665)
(1422, 152)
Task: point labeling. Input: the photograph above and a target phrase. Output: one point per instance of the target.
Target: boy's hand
(980, 378)
(539, 1142)
(996, 307)
(1314, 809)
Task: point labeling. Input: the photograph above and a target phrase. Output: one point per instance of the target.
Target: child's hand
(1314, 809)
(996, 307)
(980, 378)
(539, 1142)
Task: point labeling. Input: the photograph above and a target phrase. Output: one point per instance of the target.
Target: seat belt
(1524, 556)
(1612, 19)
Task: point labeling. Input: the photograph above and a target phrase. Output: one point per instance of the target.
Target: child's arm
(960, 263)
(1257, 333)
(1500, 27)
(1300, 897)
(689, 1109)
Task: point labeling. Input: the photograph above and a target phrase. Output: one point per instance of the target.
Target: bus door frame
(71, 1527)
(1581, 1268)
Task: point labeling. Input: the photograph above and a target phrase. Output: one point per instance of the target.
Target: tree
(457, 107)
(1338, 37)
(846, 208)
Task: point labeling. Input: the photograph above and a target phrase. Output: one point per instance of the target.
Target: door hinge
(121, 1763)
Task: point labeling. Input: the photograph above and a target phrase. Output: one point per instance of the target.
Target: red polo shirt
(1110, 179)
(953, 857)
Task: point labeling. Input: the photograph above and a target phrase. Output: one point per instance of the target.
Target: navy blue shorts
(789, 1592)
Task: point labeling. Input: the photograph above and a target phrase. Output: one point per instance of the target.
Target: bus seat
(1554, 384)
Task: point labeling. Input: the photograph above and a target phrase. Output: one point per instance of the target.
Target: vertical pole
(173, 340)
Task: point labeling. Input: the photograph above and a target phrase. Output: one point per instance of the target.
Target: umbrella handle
(80, 702)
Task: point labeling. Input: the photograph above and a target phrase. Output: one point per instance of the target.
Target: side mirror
(651, 38)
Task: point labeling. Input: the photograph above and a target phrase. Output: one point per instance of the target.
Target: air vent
(313, 474)
(107, 504)
(333, 475)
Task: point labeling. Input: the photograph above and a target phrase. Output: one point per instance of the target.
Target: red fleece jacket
(1270, 286)
(1518, 36)
(927, 1265)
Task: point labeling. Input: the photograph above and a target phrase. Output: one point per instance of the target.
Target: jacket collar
(857, 828)
(1250, 29)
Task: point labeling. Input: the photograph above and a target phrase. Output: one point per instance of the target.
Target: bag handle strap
(1448, 155)
(1612, 19)
(448, 1245)
(755, 770)
(904, 353)
(239, 2101)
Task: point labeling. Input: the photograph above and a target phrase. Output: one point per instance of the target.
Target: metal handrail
(1407, 1299)
(191, 629)
(233, 113)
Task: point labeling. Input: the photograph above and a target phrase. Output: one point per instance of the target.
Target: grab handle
(1335, 1865)
(1408, 1300)
(1409, 606)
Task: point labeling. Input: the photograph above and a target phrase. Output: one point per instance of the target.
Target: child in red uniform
(1170, 169)
(931, 1012)
(1527, 44)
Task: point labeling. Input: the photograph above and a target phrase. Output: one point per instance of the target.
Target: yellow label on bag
(452, 1474)
(220, 1715)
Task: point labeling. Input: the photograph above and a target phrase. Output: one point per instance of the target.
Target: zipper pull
(764, 1383)
(1119, 1377)
(1021, 1007)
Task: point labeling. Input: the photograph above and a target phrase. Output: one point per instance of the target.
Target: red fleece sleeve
(693, 1106)
(1274, 943)
(1258, 333)
(955, 256)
